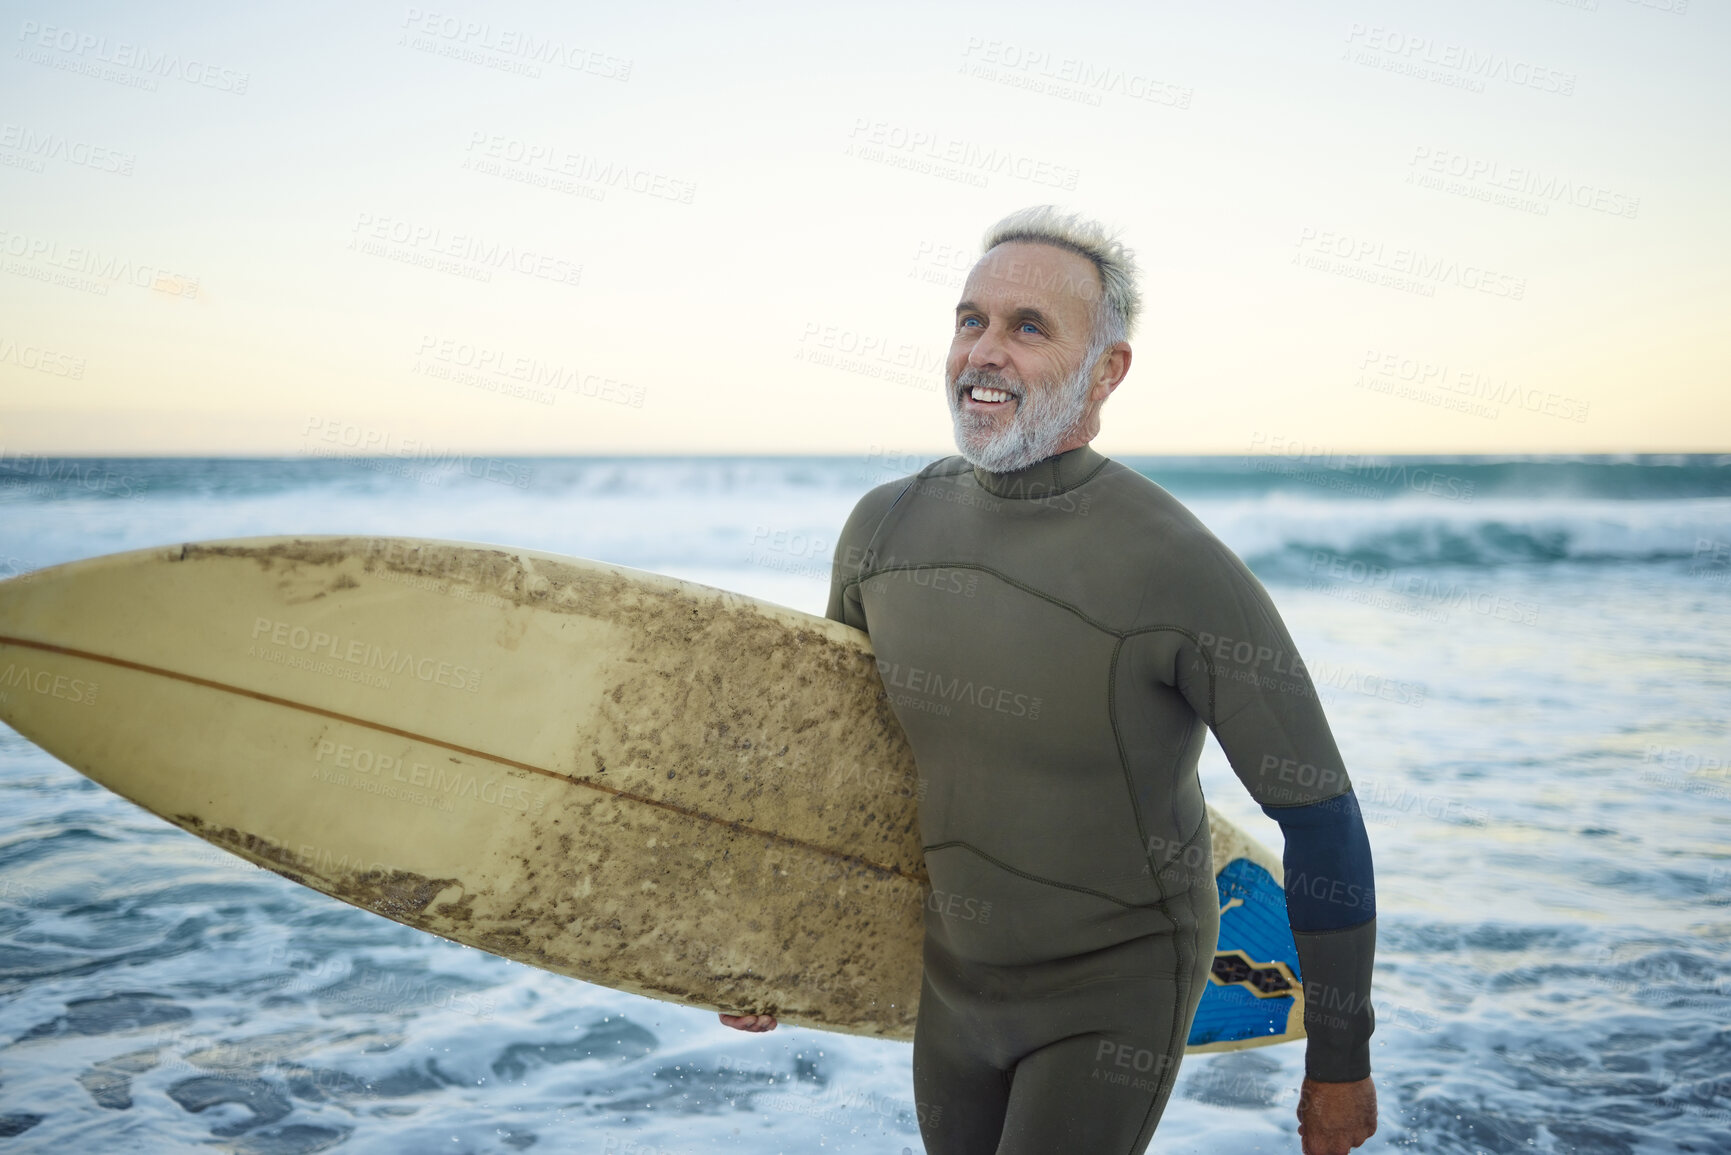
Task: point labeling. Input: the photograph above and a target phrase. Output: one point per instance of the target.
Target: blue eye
(970, 321)
(1031, 326)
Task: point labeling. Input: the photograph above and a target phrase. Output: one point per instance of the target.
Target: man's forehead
(1036, 274)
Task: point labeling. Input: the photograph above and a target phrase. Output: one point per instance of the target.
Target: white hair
(1120, 301)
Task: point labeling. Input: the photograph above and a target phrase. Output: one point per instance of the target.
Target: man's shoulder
(1135, 494)
(1143, 511)
(873, 505)
(878, 500)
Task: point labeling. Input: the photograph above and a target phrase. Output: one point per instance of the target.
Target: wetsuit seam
(1338, 929)
(1211, 719)
(867, 575)
(1006, 867)
(1181, 987)
(1144, 844)
(1315, 802)
(932, 470)
(1122, 636)
(1124, 757)
(1180, 1000)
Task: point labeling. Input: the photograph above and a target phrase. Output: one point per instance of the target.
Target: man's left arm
(1331, 906)
(1329, 881)
(1242, 673)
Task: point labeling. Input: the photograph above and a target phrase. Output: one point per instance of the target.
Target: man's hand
(1333, 1118)
(757, 1024)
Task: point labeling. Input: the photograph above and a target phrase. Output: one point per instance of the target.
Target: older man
(1118, 628)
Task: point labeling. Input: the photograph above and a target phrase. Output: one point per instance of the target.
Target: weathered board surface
(613, 775)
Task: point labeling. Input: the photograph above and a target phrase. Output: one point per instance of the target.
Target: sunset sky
(1401, 227)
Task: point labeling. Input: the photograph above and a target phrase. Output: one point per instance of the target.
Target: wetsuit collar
(1053, 475)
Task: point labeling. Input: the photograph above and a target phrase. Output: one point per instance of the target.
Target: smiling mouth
(986, 395)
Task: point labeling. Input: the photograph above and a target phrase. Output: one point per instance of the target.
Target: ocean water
(1526, 662)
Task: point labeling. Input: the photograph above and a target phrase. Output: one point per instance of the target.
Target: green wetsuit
(1055, 642)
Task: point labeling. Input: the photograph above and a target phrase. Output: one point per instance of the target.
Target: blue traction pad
(1255, 939)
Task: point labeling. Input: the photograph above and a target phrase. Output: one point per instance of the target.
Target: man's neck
(1047, 477)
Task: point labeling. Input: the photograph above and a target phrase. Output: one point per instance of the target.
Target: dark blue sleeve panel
(1330, 883)
(1331, 904)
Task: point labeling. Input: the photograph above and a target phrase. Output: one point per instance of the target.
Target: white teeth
(981, 393)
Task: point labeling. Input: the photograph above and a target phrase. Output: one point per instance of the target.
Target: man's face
(1018, 387)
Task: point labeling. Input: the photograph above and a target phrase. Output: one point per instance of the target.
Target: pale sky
(1369, 226)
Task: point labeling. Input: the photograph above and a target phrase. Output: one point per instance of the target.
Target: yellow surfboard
(633, 780)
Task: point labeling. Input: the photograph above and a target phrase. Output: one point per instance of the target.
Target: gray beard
(1046, 415)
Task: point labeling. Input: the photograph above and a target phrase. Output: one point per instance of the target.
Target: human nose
(988, 351)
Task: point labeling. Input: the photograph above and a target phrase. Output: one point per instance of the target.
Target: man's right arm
(854, 552)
